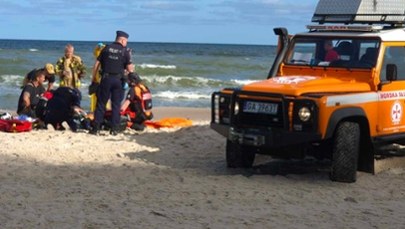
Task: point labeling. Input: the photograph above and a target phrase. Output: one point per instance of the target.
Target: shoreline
(192, 113)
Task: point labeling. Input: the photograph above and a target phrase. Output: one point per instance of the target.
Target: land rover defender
(336, 91)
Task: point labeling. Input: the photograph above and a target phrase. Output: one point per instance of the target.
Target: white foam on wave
(144, 66)
(8, 77)
(175, 79)
(33, 50)
(15, 80)
(244, 82)
(181, 95)
(196, 80)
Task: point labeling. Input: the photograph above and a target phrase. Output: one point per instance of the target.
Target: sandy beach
(177, 178)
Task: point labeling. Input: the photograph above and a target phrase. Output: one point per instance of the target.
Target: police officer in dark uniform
(113, 61)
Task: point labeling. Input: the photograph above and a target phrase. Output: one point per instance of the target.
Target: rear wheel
(345, 152)
(239, 156)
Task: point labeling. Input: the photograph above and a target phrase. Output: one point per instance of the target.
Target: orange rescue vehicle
(341, 109)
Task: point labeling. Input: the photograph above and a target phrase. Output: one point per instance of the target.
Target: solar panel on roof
(360, 11)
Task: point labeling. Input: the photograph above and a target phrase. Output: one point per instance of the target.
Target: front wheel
(345, 152)
(239, 156)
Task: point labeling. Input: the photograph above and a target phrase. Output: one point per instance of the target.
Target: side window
(394, 55)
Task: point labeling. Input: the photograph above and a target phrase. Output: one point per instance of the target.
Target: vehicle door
(391, 96)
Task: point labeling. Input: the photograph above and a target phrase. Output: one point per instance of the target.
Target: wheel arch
(358, 115)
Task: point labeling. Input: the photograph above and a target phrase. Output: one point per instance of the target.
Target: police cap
(122, 34)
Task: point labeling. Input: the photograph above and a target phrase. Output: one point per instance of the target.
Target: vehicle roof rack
(361, 12)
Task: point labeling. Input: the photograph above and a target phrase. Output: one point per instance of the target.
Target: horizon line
(159, 42)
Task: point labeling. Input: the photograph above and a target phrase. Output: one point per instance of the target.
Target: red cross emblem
(396, 112)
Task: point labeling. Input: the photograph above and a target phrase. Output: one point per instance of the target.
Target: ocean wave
(33, 50)
(11, 80)
(164, 79)
(181, 95)
(244, 82)
(144, 66)
(184, 81)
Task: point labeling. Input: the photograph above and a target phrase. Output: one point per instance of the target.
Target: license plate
(263, 108)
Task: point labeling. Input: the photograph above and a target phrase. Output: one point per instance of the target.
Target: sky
(184, 21)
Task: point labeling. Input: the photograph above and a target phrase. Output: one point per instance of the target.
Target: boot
(95, 130)
(114, 131)
(138, 127)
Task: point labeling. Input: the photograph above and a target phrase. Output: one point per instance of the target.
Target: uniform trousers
(110, 87)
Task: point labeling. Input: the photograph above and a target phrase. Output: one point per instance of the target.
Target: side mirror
(391, 72)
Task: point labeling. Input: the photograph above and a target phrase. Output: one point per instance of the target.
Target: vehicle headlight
(236, 111)
(222, 99)
(304, 113)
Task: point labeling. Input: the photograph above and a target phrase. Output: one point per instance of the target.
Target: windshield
(333, 52)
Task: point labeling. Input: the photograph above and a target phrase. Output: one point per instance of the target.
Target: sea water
(182, 75)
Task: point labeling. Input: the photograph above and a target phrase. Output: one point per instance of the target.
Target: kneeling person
(138, 102)
(31, 94)
(64, 106)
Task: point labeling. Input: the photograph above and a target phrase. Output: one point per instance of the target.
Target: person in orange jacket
(138, 102)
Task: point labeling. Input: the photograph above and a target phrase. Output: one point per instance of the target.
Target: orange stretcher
(169, 123)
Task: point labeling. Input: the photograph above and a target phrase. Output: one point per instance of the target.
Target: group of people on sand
(113, 72)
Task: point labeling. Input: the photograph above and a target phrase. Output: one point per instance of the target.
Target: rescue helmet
(97, 50)
(49, 69)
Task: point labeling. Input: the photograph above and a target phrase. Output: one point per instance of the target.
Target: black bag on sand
(106, 125)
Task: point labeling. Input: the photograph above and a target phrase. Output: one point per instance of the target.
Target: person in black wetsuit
(64, 106)
(114, 60)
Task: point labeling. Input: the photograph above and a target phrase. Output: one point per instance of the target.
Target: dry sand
(177, 178)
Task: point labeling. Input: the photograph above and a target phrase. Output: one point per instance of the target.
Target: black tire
(239, 156)
(345, 152)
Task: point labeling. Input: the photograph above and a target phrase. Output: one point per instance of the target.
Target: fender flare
(339, 115)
